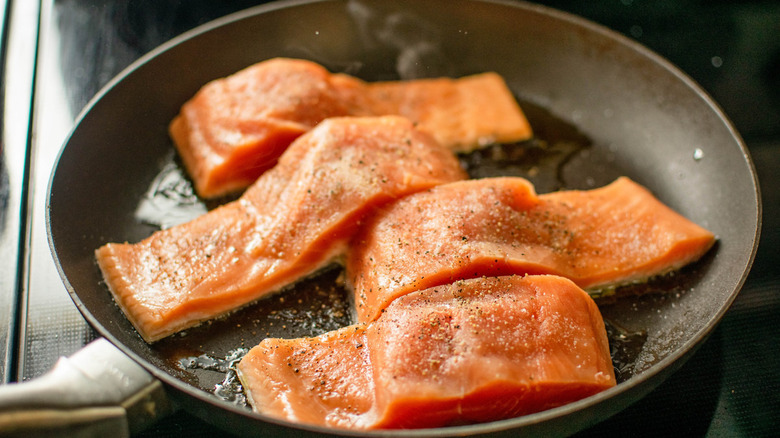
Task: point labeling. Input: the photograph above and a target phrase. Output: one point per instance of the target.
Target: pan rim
(672, 361)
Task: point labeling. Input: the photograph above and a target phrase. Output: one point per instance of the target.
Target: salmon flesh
(294, 220)
(235, 128)
(475, 350)
(613, 235)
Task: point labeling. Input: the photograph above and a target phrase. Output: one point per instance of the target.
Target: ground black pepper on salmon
(472, 351)
(286, 226)
(235, 128)
(498, 226)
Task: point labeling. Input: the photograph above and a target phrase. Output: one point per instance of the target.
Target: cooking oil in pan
(624, 347)
(229, 389)
(542, 160)
(204, 356)
(170, 199)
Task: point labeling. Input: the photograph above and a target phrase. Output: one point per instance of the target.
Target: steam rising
(416, 41)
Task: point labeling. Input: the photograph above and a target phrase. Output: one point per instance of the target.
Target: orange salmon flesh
(498, 226)
(235, 128)
(471, 296)
(473, 351)
(294, 220)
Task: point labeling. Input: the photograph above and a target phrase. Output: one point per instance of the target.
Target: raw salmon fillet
(613, 235)
(476, 350)
(294, 220)
(463, 114)
(323, 380)
(236, 127)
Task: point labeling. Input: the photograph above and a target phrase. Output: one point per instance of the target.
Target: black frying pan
(603, 106)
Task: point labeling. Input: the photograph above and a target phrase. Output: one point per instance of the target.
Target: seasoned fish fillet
(294, 220)
(498, 226)
(473, 351)
(235, 128)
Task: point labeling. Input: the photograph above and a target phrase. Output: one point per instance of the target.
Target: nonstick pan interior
(608, 105)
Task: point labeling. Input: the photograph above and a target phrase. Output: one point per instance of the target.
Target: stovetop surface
(729, 387)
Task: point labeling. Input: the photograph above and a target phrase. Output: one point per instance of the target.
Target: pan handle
(98, 391)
